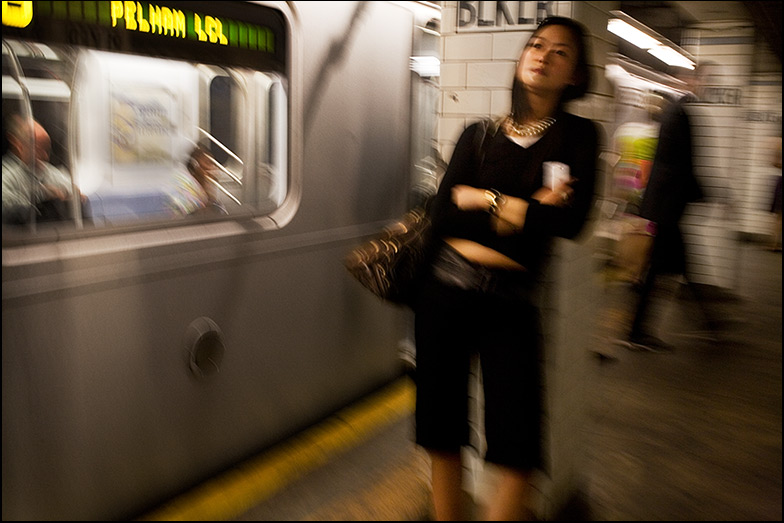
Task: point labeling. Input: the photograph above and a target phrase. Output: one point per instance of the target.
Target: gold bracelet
(494, 201)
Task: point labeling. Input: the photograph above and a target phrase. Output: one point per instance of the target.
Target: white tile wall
(507, 46)
(453, 75)
(490, 75)
(468, 47)
(450, 128)
(466, 102)
(763, 99)
(729, 149)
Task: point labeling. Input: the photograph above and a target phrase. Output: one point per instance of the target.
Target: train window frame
(272, 212)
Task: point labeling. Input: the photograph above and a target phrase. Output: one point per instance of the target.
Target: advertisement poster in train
(141, 126)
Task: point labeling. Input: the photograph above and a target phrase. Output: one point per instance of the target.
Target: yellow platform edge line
(238, 490)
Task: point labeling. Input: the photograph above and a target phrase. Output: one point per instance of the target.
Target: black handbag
(389, 264)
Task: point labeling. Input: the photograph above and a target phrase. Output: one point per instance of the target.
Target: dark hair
(193, 158)
(582, 71)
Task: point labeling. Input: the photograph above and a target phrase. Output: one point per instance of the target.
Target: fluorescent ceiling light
(670, 56)
(631, 34)
(643, 37)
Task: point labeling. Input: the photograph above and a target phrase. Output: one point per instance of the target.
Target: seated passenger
(196, 193)
(33, 188)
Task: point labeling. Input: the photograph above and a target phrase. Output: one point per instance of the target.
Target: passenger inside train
(33, 188)
(200, 183)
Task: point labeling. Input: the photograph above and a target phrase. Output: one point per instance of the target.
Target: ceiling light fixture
(631, 34)
(670, 56)
(646, 38)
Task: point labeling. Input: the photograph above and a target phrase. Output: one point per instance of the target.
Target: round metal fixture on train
(204, 343)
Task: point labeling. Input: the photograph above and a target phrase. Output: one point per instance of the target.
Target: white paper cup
(555, 173)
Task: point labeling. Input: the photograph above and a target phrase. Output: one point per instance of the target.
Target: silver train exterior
(142, 353)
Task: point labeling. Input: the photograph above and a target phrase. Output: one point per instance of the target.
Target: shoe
(649, 343)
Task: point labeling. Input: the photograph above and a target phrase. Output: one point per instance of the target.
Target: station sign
(226, 33)
(505, 16)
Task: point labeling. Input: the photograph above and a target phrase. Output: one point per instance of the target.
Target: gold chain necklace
(530, 129)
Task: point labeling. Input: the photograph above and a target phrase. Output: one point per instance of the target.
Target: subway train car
(180, 303)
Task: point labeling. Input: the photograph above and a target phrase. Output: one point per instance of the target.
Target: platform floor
(688, 435)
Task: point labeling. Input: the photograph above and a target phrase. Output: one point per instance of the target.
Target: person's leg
(442, 368)
(665, 258)
(447, 478)
(645, 293)
(511, 371)
(511, 501)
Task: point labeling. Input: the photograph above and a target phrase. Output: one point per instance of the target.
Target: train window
(154, 117)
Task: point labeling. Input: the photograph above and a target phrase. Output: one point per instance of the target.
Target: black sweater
(517, 171)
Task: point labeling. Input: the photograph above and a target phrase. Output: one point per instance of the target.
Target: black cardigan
(513, 170)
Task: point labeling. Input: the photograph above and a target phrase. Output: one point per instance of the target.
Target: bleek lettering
(481, 15)
(166, 21)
